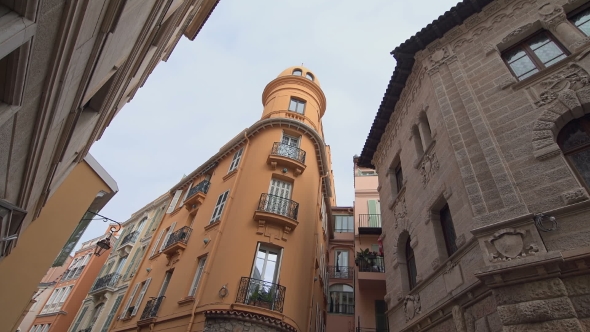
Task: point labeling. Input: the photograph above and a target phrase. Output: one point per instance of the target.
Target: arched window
(448, 230)
(410, 264)
(341, 299)
(309, 76)
(140, 225)
(574, 141)
(297, 72)
(417, 141)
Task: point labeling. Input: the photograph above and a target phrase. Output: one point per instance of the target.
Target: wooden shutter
(198, 275)
(130, 267)
(372, 205)
(219, 206)
(174, 201)
(141, 295)
(170, 230)
(129, 301)
(111, 315)
(154, 248)
(236, 160)
(79, 320)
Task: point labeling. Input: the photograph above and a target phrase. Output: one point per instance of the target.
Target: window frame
(399, 177)
(569, 153)
(577, 12)
(219, 207)
(299, 102)
(297, 70)
(539, 65)
(198, 275)
(447, 227)
(411, 264)
(235, 162)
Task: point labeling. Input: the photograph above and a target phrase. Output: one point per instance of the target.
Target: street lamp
(104, 244)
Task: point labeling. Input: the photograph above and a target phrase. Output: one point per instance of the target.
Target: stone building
(486, 118)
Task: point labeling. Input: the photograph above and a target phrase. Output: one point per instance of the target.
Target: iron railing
(369, 220)
(130, 238)
(340, 272)
(109, 280)
(151, 307)
(370, 329)
(88, 329)
(180, 235)
(261, 294)
(278, 205)
(202, 186)
(289, 151)
(376, 264)
(339, 308)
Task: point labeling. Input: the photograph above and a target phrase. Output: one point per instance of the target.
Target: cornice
(298, 80)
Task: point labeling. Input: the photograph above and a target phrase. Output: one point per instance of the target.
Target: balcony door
(341, 268)
(279, 198)
(374, 213)
(289, 147)
(265, 274)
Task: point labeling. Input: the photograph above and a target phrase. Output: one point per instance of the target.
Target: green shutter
(79, 320)
(373, 220)
(130, 266)
(107, 323)
(72, 240)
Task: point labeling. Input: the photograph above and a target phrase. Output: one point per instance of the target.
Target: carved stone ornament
(551, 15)
(575, 196)
(489, 49)
(400, 211)
(572, 78)
(509, 244)
(412, 306)
(515, 33)
(435, 263)
(428, 167)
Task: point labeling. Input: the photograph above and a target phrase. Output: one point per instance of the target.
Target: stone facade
(236, 325)
(491, 156)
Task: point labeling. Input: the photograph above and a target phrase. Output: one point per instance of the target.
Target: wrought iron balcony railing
(289, 151)
(340, 272)
(278, 205)
(109, 280)
(372, 265)
(371, 329)
(202, 186)
(151, 307)
(130, 238)
(369, 221)
(179, 236)
(88, 329)
(261, 294)
(339, 308)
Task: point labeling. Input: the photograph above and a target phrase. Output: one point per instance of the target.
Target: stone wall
(235, 325)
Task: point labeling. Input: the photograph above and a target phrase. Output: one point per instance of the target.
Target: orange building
(61, 307)
(244, 240)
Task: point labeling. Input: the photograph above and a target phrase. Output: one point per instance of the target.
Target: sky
(210, 88)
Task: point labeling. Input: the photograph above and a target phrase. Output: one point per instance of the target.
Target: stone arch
(565, 96)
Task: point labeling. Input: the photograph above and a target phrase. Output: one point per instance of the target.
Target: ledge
(186, 300)
(212, 225)
(277, 160)
(286, 222)
(230, 175)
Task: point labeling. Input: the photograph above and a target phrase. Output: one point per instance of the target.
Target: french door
(262, 289)
(279, 197)
(341, 269)
(289, 147)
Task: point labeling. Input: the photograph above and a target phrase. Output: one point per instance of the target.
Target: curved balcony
(196, 196)
(287, 156)
(277, 210)
(177, 241)
(260, 293)
(105, 284)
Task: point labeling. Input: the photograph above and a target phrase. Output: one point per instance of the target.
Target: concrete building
(104, 298)
(243, 243)
(68, 68)
(486, 113)
(88, 188)
(44, 289)
(59, 310)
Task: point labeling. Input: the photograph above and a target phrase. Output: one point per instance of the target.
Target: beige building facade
(486, 114)
(98, 309)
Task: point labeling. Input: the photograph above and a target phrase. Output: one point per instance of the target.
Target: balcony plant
(262, 297)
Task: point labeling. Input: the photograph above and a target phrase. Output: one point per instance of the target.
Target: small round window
(297, 72)
(309, 76)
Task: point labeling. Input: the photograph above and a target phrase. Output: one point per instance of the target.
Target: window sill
(127, 318)
(175, 211)
(186, 300)
(154, 256)
(229, 175)
(212, 225)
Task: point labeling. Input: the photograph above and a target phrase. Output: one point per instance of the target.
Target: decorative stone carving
(551, 15)
(516, 33)
(509, 244)
(435, 263)
(579, 44)
(459, 319)
(489, 49)
(428, 167)
(508, 81)
(575, 196)
(573, 78)
(460, 241)
(400, 211)
(439, 55)
(412, 306)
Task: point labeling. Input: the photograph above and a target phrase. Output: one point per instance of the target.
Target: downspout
(316, 236)
(217, 239)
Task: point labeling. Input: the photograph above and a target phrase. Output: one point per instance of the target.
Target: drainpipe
(316, 235)
(213, 251)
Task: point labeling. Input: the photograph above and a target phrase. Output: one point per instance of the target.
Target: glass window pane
(582, 21)
(581, 161)
(297, 72)
(293, 105)
(514, 55)
(538, 41)
(548, 52)
(523, 66)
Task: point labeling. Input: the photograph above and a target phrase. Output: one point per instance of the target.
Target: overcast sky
(210, 89)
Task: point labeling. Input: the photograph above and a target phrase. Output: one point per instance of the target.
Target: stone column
(554, 19)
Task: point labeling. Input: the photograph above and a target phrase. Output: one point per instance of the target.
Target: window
(417, 141)
(380, 316)
(411, 265)
(11, 219)
(279, 198)
(140, 225)
(155, 247)
(219, 207)
(582, 21)
(97, 311)
(197, 278)
(297, 72)
(297, 105)
(399, 177)
(309, 76)
(169, 232)
(533, 55)
(343, 224)
(341, 300)
(448, 230)
(165, 283)
(111, 315)
(174, 201)
(366, 173)
(374, 216)
(574, 141)
(236, 160)
(267, 264)
(79, 320)
(127, 308)
(146, 284)
(341, 267)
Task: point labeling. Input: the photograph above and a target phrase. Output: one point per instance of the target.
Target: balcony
(287, 156)
(88, 329)
(177, 241)
(196, 195)
(150, 312)
(369, 224)
(261, 294)
(371, 329)
(340, 272)
(277, 210)
(371, 271)
(105, 283)
(339, 308)
(127, 243)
